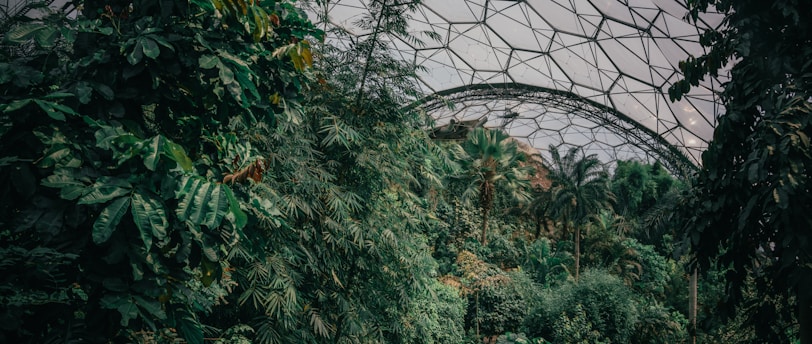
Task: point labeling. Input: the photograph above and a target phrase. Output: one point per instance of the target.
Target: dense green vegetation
(750, 207)
(215, 171)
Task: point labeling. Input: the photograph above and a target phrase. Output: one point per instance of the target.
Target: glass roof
(588, 73)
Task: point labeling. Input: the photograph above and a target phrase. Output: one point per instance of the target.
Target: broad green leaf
(240, 218)
(71, 192)
(109, 219)
(50, 110)
(68, 34)
(16, 105)
(150, 218)
(246, 83)
(151, 49)
(24, 32)
(123, 304)
(64, 109)
(226, 75)
(69, 187)
(216, 207)
(62, 178)
(54, 156)
(152, 152)
(175, 152)
(209, 251)
(128, 311)
(235, 60)
(261, 24)
(136, 54)
(104, 90)
(108, 137)
(47, 36)
(160, 40)
(58, 95)
(236, 91)
(153, 307)
(199, 206)
(305, 53)
(208, 61)
(84, 92)
(187, 191)
(137, 270)
(106, 189)
(211, 271)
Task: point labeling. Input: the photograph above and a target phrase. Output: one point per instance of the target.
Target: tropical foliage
(491, 160)
(217, 171)
(752, 200)
(580, 190)
(129, 128)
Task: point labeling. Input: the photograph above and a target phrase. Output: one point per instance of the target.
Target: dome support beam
(618, 123)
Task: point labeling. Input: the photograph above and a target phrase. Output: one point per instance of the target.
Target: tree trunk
(484, 239)
(692, 305)
(538, 227)
(577, 252)
(476, 302)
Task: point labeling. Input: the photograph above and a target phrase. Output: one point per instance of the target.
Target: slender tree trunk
(484, 239)
(476, 301)
(368, 61)
(692, 305)
(538, 227)
(577, 252)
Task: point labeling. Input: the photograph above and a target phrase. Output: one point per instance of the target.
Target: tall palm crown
(491, 160)
(580, 190)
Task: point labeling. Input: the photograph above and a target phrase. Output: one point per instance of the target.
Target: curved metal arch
(618, 123)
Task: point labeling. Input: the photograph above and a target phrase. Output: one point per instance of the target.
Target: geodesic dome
(588, 73)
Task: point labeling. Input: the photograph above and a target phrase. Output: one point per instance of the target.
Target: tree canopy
(217, 171)
(752, 201)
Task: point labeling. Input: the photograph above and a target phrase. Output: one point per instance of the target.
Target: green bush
(576, 328)
(659, 324)
(518, 338)
(547, 265)
(435, 317)
(606, 306)
(655, 269)
(502, 307)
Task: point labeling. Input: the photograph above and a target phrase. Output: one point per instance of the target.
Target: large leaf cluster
(340, 258)
(752, 195)
(490, 161)
(117, 131)
(580, 185)
(598, 302)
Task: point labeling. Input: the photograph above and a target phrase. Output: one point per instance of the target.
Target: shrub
(436, 317)
(547, 265)
(598, 302)
(502, 307)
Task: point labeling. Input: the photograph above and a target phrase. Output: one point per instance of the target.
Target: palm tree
(605, 245)
(491, 160)
(580, 190)
(539, 209)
